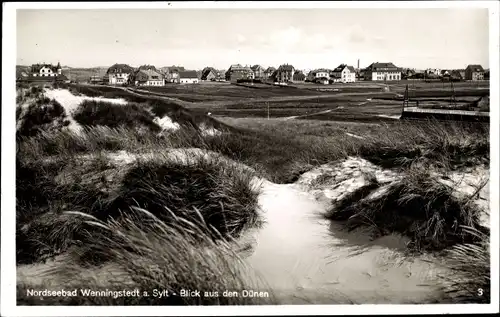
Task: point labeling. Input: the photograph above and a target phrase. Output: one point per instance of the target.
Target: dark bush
(94, 113)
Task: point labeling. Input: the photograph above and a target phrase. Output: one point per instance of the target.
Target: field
(171, 188)
(356, 101)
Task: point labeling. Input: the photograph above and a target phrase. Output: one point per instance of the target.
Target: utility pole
(267, 103)
(453, 101)
(406, 100)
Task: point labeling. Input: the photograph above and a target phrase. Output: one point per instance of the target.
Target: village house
(456, 75)
(445, 73)
(298, 77)
(147, 75)
(118, 74)
(44, 73)
(46, 70)
(210, 73)
(188, 77)
(382, 71)
(344, 74)
(258, 71)
(171, 73)
(474, 72)
(284, 73)
(319, 76)
(433, 71)
(269, 72)
(238, 72)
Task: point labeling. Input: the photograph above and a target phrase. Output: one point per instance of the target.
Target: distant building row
(288, 73)
(148, 75)
(472, 72)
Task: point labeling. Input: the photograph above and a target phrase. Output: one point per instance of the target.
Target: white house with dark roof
(188, 77)
(118, 74)
(344, 74)
(320, 76)
(147, 77)
(382, 71)
(46, 70)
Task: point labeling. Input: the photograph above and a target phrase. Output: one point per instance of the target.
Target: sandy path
(311, 114)
(307, 259)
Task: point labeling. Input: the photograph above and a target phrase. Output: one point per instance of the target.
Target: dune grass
(43, 114)
(417, 206)
(94, 113)
(158, 258)
(469, 278)
(222, 194)
(281, 154)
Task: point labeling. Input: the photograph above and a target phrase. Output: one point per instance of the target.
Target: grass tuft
(418, 206)
(94, 113)
(469, 265)
(162, 258)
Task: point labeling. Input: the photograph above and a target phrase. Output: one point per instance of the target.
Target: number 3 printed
(480, 292)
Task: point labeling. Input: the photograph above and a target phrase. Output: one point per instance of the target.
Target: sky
(305, 38)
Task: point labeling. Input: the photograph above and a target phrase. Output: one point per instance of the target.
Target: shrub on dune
(222, 194)
(94, 113)
(42, 115)
(418, 206)
(190, 184)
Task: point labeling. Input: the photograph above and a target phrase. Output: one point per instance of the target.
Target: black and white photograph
(287, 157)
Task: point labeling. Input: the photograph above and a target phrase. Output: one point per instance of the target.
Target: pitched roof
(475, 68)
(188, 74)
(286, 68)
(120, 68)
(35, 68)
(257, 67)
(145, 75)
(382, 66)
(341, 68)
(207, 70)
(146, 67)
(270, 70)
(239, 68)
(320, 70)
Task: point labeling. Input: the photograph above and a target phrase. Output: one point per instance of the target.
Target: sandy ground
(388, 116)
(166, 123)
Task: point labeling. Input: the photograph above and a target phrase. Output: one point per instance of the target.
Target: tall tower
(59, 69)
(358, 63)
